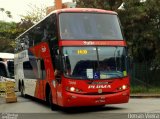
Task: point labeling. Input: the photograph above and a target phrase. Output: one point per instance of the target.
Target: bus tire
(22, 90)
(47, 94)
(19, 85)
(52, 106)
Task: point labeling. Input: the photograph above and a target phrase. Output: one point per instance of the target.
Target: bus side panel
(39, 92)
(42, 53)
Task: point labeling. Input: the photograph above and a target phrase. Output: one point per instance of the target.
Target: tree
(153, 11)
(141, 21)
(141, 25)
(35, 14)
(101, 4)
(8, 32)
(2, 9)
(8, 13)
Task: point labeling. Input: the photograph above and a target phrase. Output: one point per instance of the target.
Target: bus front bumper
(75, 100)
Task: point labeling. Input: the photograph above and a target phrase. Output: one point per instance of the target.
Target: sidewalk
(2, 100)
(144, 95)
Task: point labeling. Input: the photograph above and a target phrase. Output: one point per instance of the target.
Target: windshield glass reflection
(94, 62)
(89, 26)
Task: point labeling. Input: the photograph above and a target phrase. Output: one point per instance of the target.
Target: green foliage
(35, 14)
(8, 32)
(141, 26)
(144, 90)
(8, 13)
(141, 21)
(101, 4)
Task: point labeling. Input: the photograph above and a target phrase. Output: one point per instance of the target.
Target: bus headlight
(73, 89)
(123, 87)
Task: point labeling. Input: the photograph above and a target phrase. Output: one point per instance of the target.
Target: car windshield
(94, 62)
(89, 26)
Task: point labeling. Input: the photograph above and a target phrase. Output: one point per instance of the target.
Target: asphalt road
(28, 108)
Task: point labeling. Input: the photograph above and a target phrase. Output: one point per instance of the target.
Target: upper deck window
(89, 26)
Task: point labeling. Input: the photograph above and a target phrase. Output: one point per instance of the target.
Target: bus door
(58, 77)
(41, 77)
(59, 89)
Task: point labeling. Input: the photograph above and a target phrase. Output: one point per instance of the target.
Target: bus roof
(7, 55)
(84, 10)
(73, 10)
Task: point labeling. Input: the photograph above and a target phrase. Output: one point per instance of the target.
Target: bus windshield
(89, 26)
(94, 62)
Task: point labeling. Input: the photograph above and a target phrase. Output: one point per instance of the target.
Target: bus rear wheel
(22, 91)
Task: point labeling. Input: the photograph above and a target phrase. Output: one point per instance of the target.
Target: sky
(20, 7)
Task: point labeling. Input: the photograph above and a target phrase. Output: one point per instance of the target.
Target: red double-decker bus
(74, 57)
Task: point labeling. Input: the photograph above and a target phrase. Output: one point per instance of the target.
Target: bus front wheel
(52, 106)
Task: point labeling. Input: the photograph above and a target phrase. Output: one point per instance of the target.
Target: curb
(145, 95)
